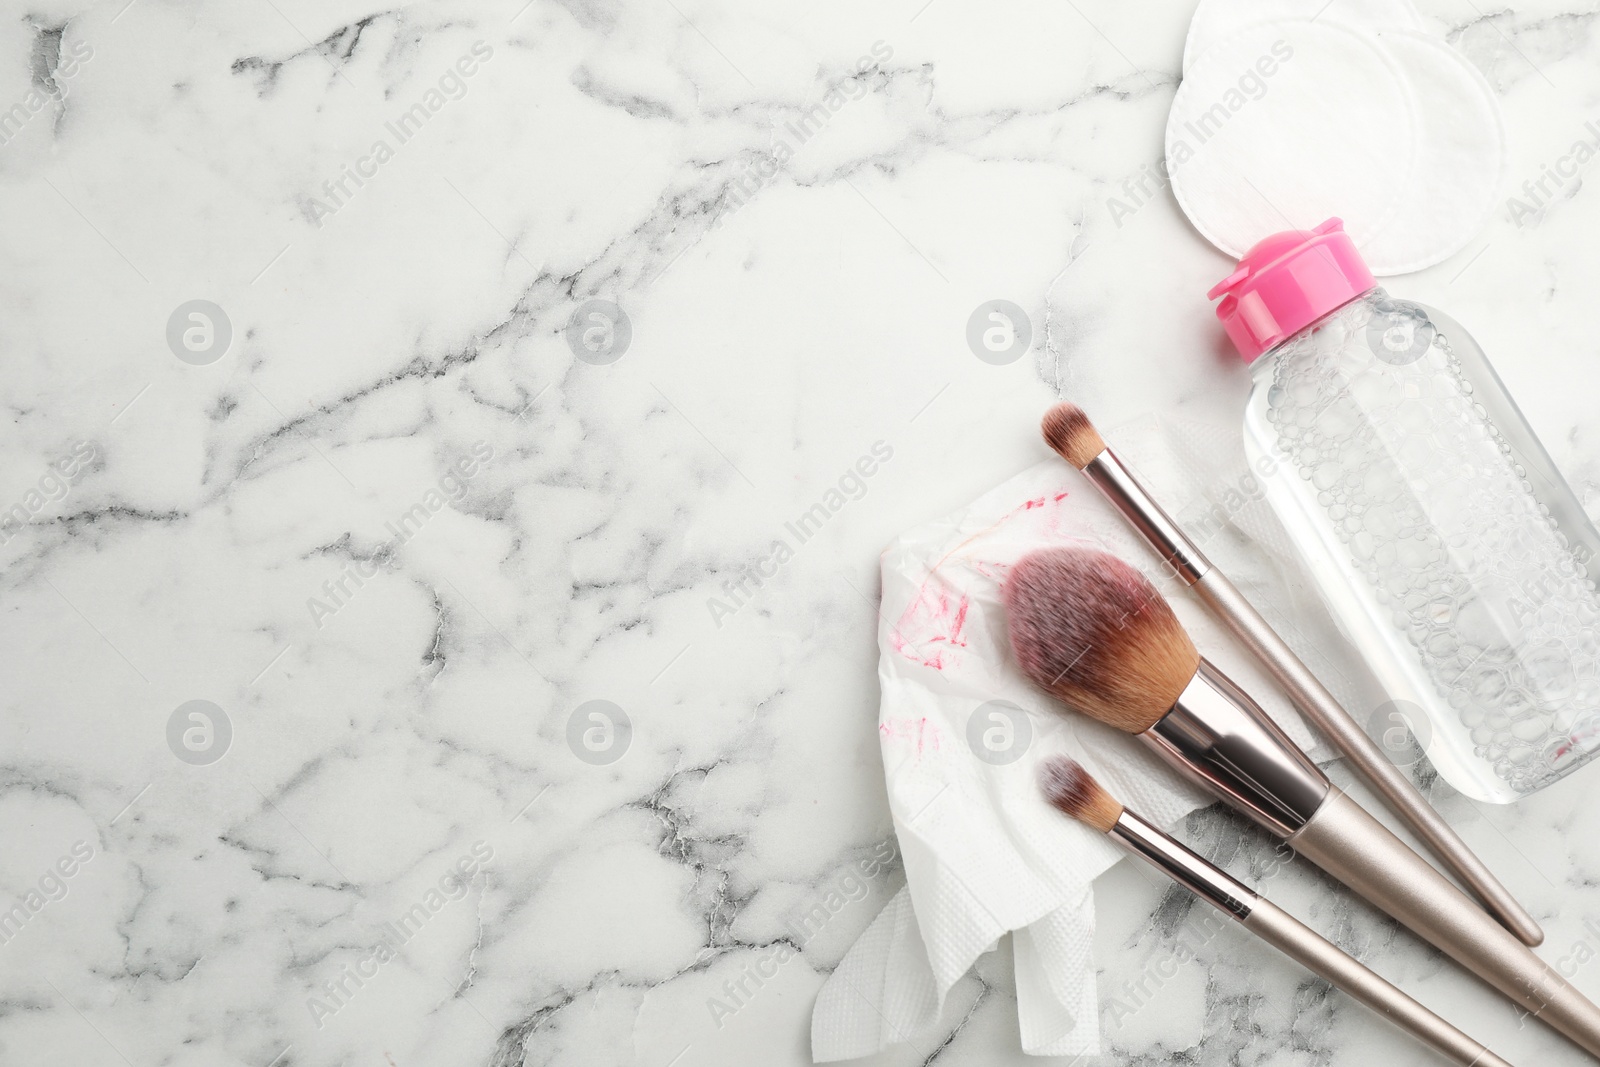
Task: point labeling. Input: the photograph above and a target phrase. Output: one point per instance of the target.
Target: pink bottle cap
(1287, 282)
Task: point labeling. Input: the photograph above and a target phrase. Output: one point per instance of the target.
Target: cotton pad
(1216, 19)
(1281, 125)
(1461, 166)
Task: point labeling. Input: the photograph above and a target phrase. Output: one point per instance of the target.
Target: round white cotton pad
(1286, 124)
(1215, 19)
(1462, 162)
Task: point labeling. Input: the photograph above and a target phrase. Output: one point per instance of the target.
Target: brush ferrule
(1183, 866)
(1220, 738)
(1128, 496)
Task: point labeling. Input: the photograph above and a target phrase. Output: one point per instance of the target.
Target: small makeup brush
(1092, 631)
(1070, 789)
(1069, 432)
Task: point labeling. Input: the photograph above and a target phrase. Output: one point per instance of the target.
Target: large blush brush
(1092, 631)
(1068, 430)
(1071, 790)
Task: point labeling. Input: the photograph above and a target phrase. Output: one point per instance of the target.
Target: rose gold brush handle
(1222, 740)
(1280, 930)
(1125, 492)
(1286, 934)
(1342, 839)
(1387, 780)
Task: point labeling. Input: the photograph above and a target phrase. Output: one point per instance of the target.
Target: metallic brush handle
(1387, 780)
(1280, 930)
(1308, 695)
(1283, 932)
(1221, 739)
(1217, 736)
(1351, 845)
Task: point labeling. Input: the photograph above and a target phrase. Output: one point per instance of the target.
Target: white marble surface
(417, 721)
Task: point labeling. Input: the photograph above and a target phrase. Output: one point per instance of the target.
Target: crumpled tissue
(962, 732)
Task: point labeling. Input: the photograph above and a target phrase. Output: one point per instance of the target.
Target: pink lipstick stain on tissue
(922, 733)
(931, 630)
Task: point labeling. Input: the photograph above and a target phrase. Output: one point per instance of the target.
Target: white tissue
(1282, 125)
(882, 992)
(984, 854)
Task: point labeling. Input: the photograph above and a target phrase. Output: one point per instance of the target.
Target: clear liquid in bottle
(1439, 534)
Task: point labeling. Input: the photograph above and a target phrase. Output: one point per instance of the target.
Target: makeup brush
(1070, 789)
(1092, 631)
(1068, 430)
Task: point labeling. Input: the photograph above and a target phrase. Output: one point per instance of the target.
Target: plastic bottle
(1440, 535)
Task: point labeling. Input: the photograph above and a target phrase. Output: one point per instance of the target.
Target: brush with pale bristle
(1069, 432)
(1067, 429)
(1073, 791)
(1093, 632)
